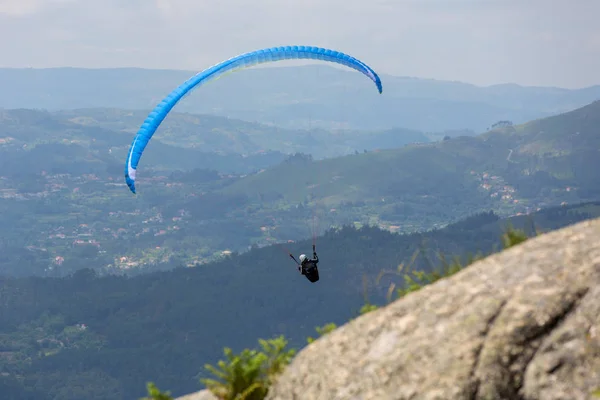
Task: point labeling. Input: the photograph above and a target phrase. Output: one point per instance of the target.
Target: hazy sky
(531, 42)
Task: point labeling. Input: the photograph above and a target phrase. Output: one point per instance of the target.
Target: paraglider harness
(308, 267)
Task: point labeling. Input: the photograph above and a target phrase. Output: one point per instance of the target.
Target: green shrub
(249, 374)
(322, 330)
(513, 237)
(155, 394)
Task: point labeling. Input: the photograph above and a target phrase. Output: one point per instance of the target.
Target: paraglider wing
(272, 54)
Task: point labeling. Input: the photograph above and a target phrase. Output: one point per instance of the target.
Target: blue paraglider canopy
(272, 54)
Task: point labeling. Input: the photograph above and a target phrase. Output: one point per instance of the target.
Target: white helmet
(302, 257)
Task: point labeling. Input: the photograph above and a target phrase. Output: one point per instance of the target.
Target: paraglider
(155, 118)
(308, 267)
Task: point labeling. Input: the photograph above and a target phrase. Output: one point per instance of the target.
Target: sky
(484, 42)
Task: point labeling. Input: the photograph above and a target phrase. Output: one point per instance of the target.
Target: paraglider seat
(312, 273)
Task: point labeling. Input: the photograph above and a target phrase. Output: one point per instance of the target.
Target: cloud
(480, 41)
(26, 7)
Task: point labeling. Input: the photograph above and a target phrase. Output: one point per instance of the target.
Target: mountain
(62, 190)
(308, 96)
(521, 167)
(113, 130)
(62, 195)
(34, 139)
(85, 336)
(225, 135)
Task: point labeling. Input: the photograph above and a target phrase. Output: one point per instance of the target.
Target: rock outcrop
(520, 324)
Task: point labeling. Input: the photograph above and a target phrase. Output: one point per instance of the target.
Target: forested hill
(93, 337)
(64, 203)
(511, 167)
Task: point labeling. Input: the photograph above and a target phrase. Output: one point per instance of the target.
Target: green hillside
(530, 165)
(93, 337)
(62, 195)
(225, 135)
(62, 192)
(112, 130)
(572, 131)
(27, 135)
